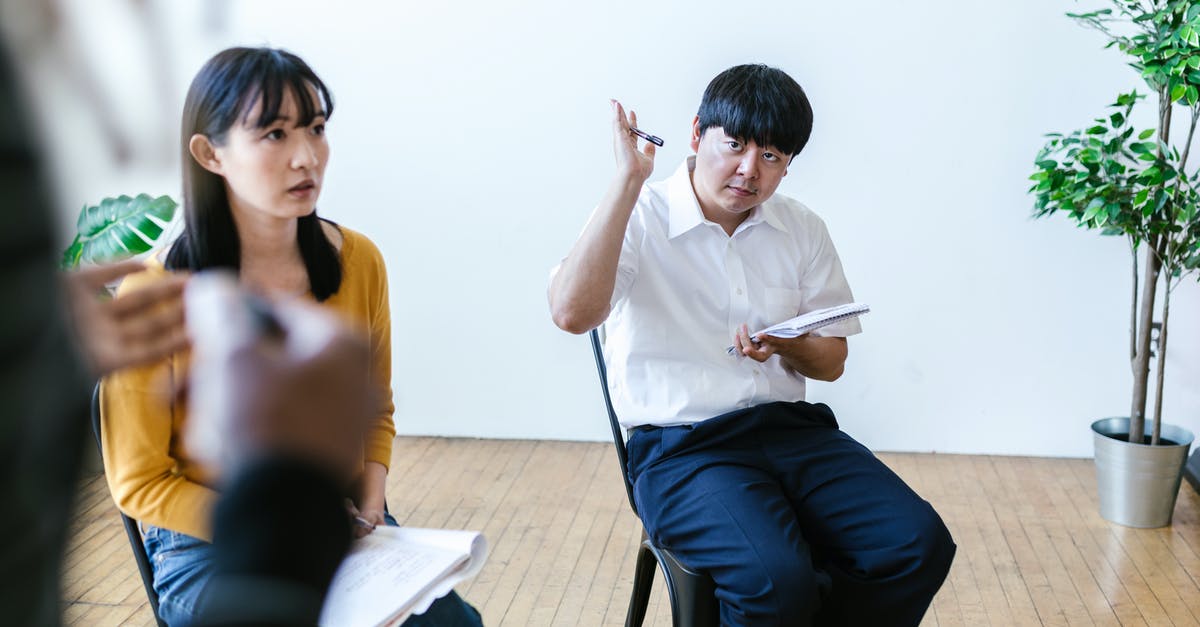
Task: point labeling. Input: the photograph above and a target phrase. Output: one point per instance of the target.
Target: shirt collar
(684, 208)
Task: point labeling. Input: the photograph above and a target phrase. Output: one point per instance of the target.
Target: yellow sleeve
(378, 445)
(138, 423)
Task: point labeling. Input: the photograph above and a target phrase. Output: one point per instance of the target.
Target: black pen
(657, 141)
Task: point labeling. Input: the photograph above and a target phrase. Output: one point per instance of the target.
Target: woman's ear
(205, 153)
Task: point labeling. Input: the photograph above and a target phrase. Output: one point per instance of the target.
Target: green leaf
(70, 258)
(1194, 60)
(1193, 95)
(1177, 92)
(1098, 129)
(1146, 133)
(119, 228)
(1047, 164)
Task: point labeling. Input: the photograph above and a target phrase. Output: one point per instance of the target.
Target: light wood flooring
(1032, 549)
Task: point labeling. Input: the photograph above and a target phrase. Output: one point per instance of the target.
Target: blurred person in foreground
(59, 332)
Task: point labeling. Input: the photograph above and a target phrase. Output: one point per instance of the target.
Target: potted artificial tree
(1140, 185)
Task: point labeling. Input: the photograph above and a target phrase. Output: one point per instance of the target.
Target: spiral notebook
(811, 321)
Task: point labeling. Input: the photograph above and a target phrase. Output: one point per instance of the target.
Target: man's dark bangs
(758, 103)
(761, 122)
(281, 75)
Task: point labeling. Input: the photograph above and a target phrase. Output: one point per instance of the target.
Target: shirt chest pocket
(781, 303)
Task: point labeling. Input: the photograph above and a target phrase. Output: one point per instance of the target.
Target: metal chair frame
(692, 594)
(131, 526)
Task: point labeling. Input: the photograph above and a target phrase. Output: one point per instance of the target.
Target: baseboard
(1191, 470)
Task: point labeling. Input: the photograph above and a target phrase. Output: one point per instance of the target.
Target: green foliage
(118, 228)
(1165, 48)
(1104, 177)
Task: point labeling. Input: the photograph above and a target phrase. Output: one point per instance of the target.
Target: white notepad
(811, 321)
(395, 572)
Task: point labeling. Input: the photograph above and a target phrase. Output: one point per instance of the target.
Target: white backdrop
(470, 141)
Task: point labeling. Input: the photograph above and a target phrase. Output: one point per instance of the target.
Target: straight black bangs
(278, 74)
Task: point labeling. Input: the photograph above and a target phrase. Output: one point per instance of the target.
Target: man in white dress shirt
(795, 521)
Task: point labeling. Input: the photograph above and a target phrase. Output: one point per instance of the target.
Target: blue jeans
(183, 566)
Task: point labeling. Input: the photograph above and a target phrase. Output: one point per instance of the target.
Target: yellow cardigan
(150, 474)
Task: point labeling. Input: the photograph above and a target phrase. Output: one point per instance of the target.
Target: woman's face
(276, 170)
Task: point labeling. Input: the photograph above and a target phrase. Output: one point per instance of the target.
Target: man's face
(733, 176)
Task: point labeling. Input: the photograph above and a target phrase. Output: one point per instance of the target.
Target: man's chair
(131, 528)
(693, 594)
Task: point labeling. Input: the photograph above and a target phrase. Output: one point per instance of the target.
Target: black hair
(224, 93)
(758, 103)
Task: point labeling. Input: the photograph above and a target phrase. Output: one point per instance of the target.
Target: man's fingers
(98, 276)
(619, 122)
(168, 291)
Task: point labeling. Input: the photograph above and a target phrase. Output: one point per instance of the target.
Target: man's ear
(696, 134)
(205, 153)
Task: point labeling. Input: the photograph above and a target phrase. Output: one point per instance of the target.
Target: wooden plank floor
(1031, 548)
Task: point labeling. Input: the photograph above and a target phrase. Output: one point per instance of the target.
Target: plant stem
(1133, 299)
(1141, 333)
(1141, 359)
(1162, 362)
(1187, 146)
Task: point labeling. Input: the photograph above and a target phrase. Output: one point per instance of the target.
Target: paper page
(394, 571)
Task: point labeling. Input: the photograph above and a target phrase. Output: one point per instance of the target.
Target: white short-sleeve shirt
(684, 286)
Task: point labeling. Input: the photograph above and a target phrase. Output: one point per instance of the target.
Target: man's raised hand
(630, 160)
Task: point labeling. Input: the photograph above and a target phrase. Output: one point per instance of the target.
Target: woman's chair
(131, 528)
(693, 594)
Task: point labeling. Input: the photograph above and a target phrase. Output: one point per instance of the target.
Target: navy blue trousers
(796, 522)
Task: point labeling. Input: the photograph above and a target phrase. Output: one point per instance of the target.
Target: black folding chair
(131, 528)
(693, 594)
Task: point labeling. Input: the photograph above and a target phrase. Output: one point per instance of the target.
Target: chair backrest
(131, 529)
(617, 432)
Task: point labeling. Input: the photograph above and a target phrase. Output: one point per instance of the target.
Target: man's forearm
(582, 289)
(820, 358)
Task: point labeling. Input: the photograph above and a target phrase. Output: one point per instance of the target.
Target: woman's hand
(363, 521)
(369, 505)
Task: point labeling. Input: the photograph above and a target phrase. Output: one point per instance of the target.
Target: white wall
(471, 141)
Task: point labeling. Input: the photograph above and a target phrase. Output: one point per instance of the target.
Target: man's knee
(928, 555)
(776, 591)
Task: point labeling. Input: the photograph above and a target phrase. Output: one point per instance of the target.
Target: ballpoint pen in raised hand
(657, 141)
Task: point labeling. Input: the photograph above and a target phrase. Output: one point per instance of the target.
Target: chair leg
(693, 595)
(643, 581)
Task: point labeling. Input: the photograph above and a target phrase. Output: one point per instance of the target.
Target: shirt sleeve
(378, 445)
(138, 413)
(824, 283)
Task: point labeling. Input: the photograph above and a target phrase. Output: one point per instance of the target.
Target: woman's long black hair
(223, 94)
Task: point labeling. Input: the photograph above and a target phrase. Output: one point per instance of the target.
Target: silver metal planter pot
(1138, 483)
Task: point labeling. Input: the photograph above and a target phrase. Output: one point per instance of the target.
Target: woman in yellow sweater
(254, 155)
